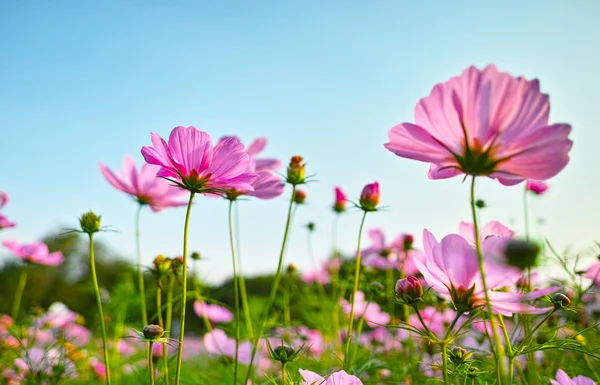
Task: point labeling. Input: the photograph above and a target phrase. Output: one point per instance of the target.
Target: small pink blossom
(337, 378)
(36, 252)
(214, 313)
(370, 310)
(190, 160)
(563, 379)
(3, 199)
(5, 223)
(339, 206)
(369, 198)
(537, 187)
(488, 123)
(219, 344)
(143, 185)
(260, 164)
(593, 272)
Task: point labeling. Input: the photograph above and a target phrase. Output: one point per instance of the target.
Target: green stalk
(99, 303)
(19, 293)
(184, 289)
(169, 305)
(499, 356)
(162, 325)
(445, 362)
(354, 290)
(274, 288)
(243, 292)
(236, 294)
(150, 363)
(140, 267)
(283, 374)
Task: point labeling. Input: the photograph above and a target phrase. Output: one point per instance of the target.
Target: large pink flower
(451, 268)
(485, 122)
(191, 161)
(143, 185)
(337, 378)
(563, 379)
(36, 252)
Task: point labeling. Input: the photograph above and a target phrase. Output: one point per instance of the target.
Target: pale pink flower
(190, 160)
(98, 367)
(593, 273)
(219, 344)
(144, 185)
(563, 379)
(337, 378)
(57, 316)
(485, 122)
(36, 360)
(451, 268)
(36, 252)
(491, 229)
(537, 187)
(370, 310)
(3, 199)
(5, 223)
(215, 313)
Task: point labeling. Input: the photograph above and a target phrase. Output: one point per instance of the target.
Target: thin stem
(140, 267)
(162, 325)
(354, 290)
(501, 371)
(389, 282)
(274, 288)
(511, 366)
(445, 362)
(169, 305)
(99, 303)
(243, 291)
(283, 374)
(19, 293)
(526, 213)
(236, 294)
(287, 318)
(150, 364)
(591, 367)
(184, 289)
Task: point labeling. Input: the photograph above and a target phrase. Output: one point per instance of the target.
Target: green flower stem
(511, 366)
(184, 290)
(335, 288)
(161, 323)
(99, 303)
(140, 269)
(445, 362)
(354, 290)
(19, 293)
(274, 288)
(236, 294)
(389, 281)
(150, 363)
(243, 291)
(169, 320)
(530, 358)
(501, 370)
(283, 373)
(287, 318)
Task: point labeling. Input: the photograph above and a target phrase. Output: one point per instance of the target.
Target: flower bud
(369, 198)
(295, 171)
(310, 226)
(409, 290)
(90, 222)
(291, 268)
(284, 353)
(299, 197)
(459, 356)
(536, 187)
(340, 201)
(195, 256)
(407, 242)
(521, 253)
(153, 332)
(480, 203)
(560, 300)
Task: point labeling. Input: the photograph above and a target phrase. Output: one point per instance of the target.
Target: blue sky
(83, 82)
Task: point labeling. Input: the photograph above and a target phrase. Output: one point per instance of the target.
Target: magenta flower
(191, 161)
(536, 186)
(370, 310)
(262, 164)
(5, 223)
(339, 206)
(143, 185)
(214, 313)
(563, 379)
(484, 122)
(337, 378)
(36, 252)
(3, 199)
(451, 268)
(369, 198)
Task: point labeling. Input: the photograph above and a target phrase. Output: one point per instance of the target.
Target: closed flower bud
(295, 171)
(284, 353)
(521, 253)
(153, 332)
(299, 197)
(292, 268)
(195, 256)
(560, 301)
(409, 290)
(340, 201)
(407, 242)
(480, 203)
(459, 356)
(310, 226)
(369, 198)
(536, 187)
(90, 222)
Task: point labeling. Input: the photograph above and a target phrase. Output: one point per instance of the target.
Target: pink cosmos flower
(370, 310)
(255, 148)
(563, 379)
(339, 206)
(3, 199)
(5, 223)
(536, 186)
(218, 343)
(593, 273)
(57, 316)
(144, 185)
(337, 378)
(485, 122)
(190, 160)
(36, 252)
(451, 268)
(214, 313)
(36, 360)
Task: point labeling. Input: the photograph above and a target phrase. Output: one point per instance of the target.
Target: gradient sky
(83, 82)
